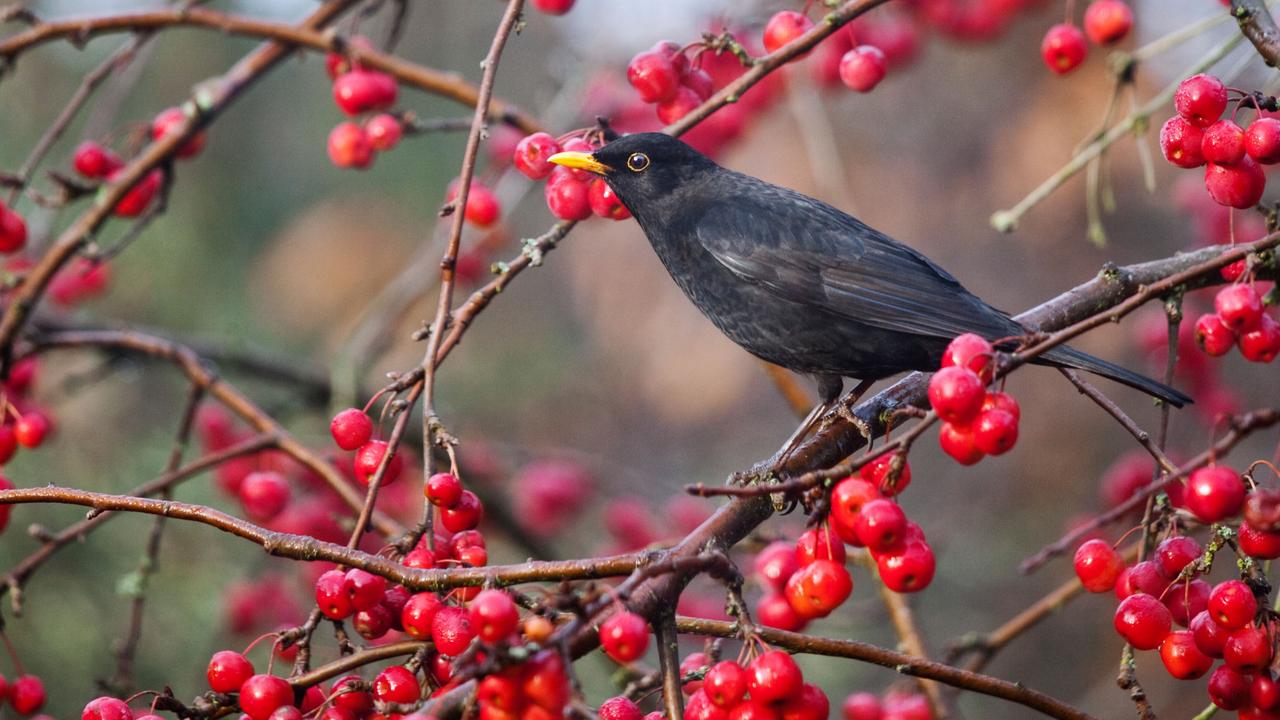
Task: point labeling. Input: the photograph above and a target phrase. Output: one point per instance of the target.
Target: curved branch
(1257, 24)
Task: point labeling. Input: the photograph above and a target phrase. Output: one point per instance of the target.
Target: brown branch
(909, 638)
(1259, 27)
(669, 660)
(1143, 437)
(80, 30)
(350, 663)
(899, 662)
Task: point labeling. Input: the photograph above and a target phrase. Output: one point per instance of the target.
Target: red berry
(1248, 649)
(227, 671)
(819, 544)
(1228, 688)
(1262, 342)
(1143, 621)
(567, 196)
(31, 429)
(907, 569)
(654, 76)
(92, 160)
(396, 685)
(1223, 143)
(494, 615)
(365, 589)
(1182, 658)
(619, 708)
(995, 432)
(973, 352)
(1214, 494)
(1107, 21)
(336, 64)
(1063, 48)
(351, 428)
(808, 704)
(847, 500)
(725, 684)
(1186, 599)
(13, 230)
(1264, 692)
(818, 588)
(1098, 565)
(347, 694)
(136, 200)
(360, 91)
(1213, 336)
(168, 121)
(369, 457)
(862, 706)
(260, 695)
(783, 28)
(775, 611)
(554, 7)
(1262, 140)
(878, 472)
(956, 394)
(775, 564)
(349, 146)
(773, 676)
(678, 105)
(694, 662)
(533, 153)
(482, 208)
(1182, 143)
(1175, 553)
(443, 490)
(263, 495)
(1258, 544)
(1143, 577)
(700, 708)
(958, 442)
(451, 630)
(1201, 99)
(106, 708)
(465, 515)
(26, 694)
(862, 68)
(384, 131)
(1232, 604)
(604, 201)
(699, 81)
(373, 623)
(1238, 186)
(1239, 306)
(1210, 637)
(331, 595)
(624, 636)
(419, 613)
(880, 525)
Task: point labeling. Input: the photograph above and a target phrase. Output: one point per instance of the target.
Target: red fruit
(369, 457)
(654, 76)
(1107, 21)
(1201, 99)
(1185, 600)
(1239, 306)
(973, 352)
(773, 676)
(1181, 142)
(678, 105)
(775, 611)
(419, 613)
(1143, 621)
(1214, 494)
(482, 205)
(619, 708)
(725, 684)
(604, 201)
(26, 694)
(862, 68)
(373, 623)
(336, 64)
(1223, 143)
(880, 525)
(1063, 48)
(1248, 649)
(384, 131)
(958, 442)
(567, 196)
(331, 595)
(693, 662)
(624, 636)
(533, 153)
(1264, 692)
(396, 685)
(465, 515)
(862, 706)
(809, 704)
(360, 91)
(349, 146)
(136, 200)
(263, 495)
(1210, 637)
(13, 230)
(106, 708)
(956, 394)
(878, 471)
(775, 564)
(1259, 544)
(847, 500)
(995, 432)
(1238, 186)
(1175, 553)
(92, 160)
(783, 28)
(554, 7)
(1262, 342)
(168, 121)
(500, 691)
(1182, 658)
(699, 81)
(1228, 688)
(1232, 604)
(260, 695)
(818, 588)
(31, 429)
(347, 694)
(819, 544)
(227, 671)
(700, 708)
(351, 428)
(494, 615)
(1098, 565)
(1213, 336)
(1262, 140)
(451, 630)
(908, 569)
(1144, 577)
(365, 589)
(443, 490)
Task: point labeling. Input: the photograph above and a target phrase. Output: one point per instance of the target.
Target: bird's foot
(864, 428)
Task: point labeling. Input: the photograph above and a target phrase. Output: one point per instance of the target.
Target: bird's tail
(1065, 356)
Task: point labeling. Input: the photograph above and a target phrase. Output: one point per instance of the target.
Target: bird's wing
(812, 253)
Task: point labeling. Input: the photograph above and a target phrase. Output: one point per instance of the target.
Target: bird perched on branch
(800, 283)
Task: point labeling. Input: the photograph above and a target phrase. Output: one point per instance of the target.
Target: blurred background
(595, 358)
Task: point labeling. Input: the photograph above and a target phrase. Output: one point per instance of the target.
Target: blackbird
(800, 283)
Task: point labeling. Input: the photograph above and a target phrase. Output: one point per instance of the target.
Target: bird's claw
(864, 428)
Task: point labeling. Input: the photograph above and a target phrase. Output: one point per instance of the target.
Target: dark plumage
(798, 282)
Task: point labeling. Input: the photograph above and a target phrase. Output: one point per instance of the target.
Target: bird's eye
(638, 162)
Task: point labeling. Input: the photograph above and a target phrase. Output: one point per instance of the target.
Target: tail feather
(1065, 356)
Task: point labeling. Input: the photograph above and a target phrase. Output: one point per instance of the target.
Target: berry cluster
(23, 424)
(1232, 156)
(976, 423)
(1241, 321)
(771, 685)
(361, 92)
(895, 705)
(571, 194)
(25, 694)
(353, 430)
(1106, 22)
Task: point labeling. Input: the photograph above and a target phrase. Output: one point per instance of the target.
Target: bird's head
(643, 168)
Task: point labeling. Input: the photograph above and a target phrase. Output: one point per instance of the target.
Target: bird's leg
(845, 409)
(829, 387)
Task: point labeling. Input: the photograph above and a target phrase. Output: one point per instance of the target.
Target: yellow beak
(580, 161)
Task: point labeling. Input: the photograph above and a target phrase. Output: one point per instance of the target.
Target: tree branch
(1257, 24)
